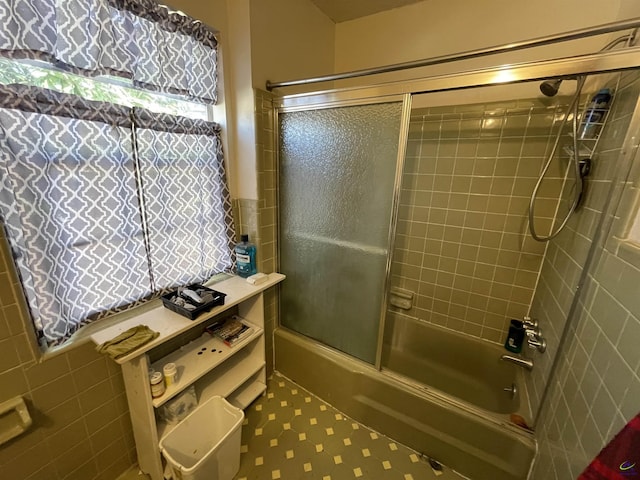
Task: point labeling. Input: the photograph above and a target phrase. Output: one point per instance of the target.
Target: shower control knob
(536, 340)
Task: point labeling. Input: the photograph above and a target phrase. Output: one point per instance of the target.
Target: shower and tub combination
(404, 216)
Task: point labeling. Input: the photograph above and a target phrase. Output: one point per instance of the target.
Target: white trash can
(206, 444)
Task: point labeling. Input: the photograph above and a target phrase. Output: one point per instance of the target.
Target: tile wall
(597, 386)
(267, 179)
(461, 243)
(81, 428)
(258, 218)
(567, 253)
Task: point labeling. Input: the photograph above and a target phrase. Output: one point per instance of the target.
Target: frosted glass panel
(337, 169)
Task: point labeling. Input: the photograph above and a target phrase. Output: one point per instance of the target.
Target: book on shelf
(230, 330)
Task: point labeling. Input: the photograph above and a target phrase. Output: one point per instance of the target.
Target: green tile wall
(462, 246)
(267, 209)
(597, 386)
(81, 428)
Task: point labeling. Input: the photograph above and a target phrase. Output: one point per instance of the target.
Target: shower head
(550, 87)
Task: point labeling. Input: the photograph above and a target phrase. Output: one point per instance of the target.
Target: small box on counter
(193, 300)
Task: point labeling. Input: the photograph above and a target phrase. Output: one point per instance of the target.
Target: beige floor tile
(290, 434)
(300, 436)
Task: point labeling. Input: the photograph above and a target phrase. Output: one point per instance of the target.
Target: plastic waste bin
(206, 444)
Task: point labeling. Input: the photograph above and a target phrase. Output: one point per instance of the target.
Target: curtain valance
(157, 48)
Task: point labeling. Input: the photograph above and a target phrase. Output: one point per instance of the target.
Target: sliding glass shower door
(336, 179)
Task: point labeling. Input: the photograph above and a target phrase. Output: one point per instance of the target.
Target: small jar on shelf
(157, 384)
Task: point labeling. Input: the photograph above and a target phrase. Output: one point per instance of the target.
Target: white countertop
(170, 324)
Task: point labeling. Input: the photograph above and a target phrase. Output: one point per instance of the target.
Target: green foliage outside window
(98, 89)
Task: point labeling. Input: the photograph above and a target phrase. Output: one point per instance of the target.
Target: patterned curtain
(105, 206)
(138, 39)
(187, 203)
(70, 207)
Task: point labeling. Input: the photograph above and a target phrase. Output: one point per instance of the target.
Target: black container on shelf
(218, 299)
(515, 337)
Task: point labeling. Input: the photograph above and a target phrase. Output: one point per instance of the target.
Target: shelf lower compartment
(247, 393)
(240, 383)
(226, 381)
(201, 356)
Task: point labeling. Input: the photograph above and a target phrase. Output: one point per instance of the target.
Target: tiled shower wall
(567, 253)
(597, 386)
(81, 428)
(258, 217)
(267, 209)
(462, 245)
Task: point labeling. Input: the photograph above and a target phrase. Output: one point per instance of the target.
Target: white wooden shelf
(199, 357)
(240, 393)
(236, 372)
(170, 324)
(247, 393)
(224, 383)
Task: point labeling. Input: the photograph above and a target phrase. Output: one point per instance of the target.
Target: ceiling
(343, 10)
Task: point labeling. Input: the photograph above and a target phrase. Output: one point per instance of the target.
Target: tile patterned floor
(133, 473)
(290, 434)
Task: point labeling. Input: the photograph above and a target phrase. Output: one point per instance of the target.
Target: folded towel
(620, 459)
(127, 342)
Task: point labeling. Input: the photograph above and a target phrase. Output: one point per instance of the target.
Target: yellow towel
(127, 342)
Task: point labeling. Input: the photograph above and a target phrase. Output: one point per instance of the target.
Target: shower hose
(579, 186)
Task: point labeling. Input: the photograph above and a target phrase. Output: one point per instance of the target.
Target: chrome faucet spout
(521, 362)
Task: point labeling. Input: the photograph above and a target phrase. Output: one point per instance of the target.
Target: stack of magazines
(230, 330)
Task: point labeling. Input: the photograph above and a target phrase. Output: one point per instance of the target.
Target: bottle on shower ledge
(515, 337)
(246, 257)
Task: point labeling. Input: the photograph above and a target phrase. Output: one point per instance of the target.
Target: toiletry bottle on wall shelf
(246, 257)
(594, 115)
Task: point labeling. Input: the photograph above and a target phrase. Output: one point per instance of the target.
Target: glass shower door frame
(405, 99)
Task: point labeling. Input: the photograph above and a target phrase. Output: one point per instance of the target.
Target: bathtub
(477, 442)
(453, 363)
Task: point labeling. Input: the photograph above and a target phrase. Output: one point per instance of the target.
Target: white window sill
(86, 333)
(169, 324)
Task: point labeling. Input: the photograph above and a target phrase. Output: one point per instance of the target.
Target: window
(102, 88)
(109, 193)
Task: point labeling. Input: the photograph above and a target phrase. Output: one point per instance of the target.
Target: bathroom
(81, 420)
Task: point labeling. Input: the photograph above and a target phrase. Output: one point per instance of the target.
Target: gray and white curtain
(95, 230)
(188, 209)
(138, 39)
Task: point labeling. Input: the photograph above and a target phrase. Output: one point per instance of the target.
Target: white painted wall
(440, 27)
(243, 175)
(290, 39)
(628, 9)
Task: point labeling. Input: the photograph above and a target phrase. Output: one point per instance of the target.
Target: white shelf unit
(235, 372)
(202, 355)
